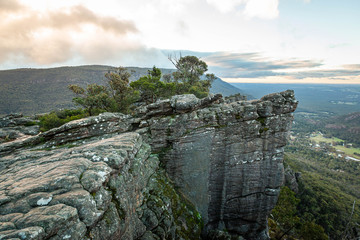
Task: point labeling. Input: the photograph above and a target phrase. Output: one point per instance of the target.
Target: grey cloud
(253, 65)
(254, 62)
(79, 15)
(10, 6)
(352, 66)
(327, 73)
(19, 37)
(241, 73)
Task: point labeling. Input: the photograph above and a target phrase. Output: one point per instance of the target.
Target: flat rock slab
(61, 192)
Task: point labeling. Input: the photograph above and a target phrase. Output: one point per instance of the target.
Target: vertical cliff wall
(226, 158)
(114, 176)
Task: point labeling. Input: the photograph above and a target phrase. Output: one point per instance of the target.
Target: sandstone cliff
(178, 169)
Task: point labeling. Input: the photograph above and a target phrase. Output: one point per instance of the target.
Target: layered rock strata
(227, 158)
(101, 178)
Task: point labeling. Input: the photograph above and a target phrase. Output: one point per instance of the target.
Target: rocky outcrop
(292, 179)
(16, 126)
(114, 176)
(227, 159)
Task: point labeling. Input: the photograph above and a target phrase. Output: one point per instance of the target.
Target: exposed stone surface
(71, 193)
(227, 159)
(100, 177)
(16, 126)
(292, 179)
(105, 123)
(94, 189)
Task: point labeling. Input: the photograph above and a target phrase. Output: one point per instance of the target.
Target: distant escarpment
(182, 168)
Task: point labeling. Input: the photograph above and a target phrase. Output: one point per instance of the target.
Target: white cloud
(225, 6)
(265, 9)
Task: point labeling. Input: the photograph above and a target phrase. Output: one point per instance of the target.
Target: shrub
(58, 118)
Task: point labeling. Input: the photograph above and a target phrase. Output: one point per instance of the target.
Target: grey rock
(97, 178)
(184, 103)
(227, 159)
(291, 179)
(16, 126)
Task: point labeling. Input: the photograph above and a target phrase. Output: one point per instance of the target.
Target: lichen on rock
(101, 177)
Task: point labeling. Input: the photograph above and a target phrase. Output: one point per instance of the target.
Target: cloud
(10, 6)
(226, 6)
(326, 73)
(265, 9)
(79, 15)
(254, 65)
(61, 35)
(352, 66)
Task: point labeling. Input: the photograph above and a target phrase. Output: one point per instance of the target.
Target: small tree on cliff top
(119, 94)
(94, 98)
(190, 69)
(120, 90)
(152, 88)
(116, 96)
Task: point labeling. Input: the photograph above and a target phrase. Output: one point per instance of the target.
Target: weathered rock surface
(100, 177)
(227, 159)
(292, 179)
(16, 126)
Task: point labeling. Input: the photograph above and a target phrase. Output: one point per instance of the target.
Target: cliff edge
(180, 168)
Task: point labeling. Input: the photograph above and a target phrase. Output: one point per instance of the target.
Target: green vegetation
(285, 223)
(58, 118)
(151, 88)
(319, 138)
(119, 95)
(32, 91)
(327, 189)
(173, 205)
(187, 78)
(344, 128)
(350, 151)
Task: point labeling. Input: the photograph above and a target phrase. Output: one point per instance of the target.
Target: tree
(116, 96)
(120, 91)
(190, 70)
(284, 213)
(151, 87)
(312, 231)
(93, 98)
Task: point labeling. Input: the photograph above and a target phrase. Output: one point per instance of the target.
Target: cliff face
(114, 176)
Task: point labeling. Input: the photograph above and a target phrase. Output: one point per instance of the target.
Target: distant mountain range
(332, 99)
(31, 91)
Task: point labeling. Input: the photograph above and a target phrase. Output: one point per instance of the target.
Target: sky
(296, 41)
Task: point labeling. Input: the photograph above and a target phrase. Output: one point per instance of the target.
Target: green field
(348, 151)
(319, 138)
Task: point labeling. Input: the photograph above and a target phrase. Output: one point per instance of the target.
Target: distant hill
(332, 99)
(31, 91)
(346, 127)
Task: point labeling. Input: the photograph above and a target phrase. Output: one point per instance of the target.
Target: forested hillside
(322, 153)
(30, 91)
